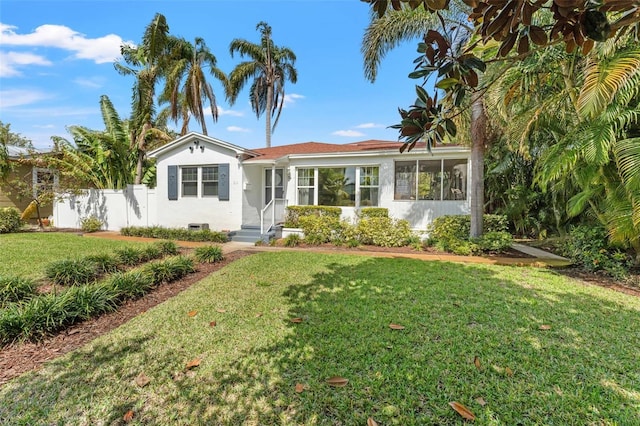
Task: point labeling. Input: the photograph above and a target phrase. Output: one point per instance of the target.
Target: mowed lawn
(549, 350)
(26, 254)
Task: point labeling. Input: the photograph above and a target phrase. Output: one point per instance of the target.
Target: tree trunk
(268, 113)
(478, 141)
(138, 178)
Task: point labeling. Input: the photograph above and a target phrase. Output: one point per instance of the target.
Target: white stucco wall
(220, 215)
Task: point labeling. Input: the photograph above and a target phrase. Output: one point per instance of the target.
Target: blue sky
(56, 60)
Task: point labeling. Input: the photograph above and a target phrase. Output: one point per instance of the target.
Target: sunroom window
(431, 180)
(338, 186)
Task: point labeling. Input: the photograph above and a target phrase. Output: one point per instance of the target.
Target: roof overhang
(191, 137)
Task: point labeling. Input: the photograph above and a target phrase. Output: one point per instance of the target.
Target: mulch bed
(22, 357)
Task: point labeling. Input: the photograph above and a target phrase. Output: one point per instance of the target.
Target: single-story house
(26, 181)
(204, 180)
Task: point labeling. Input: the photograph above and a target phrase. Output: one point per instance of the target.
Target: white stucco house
(207, 181)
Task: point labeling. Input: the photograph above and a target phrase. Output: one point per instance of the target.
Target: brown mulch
(22, 357)
(630, 287)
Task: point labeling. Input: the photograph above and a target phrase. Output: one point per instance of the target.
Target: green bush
(319, 229)
(494, 242)
(86, 301)
(129, 256)
(169, 270)
(91, 224)
(208, 254)
(296, 213)
(16, 289)
(384, 232)
(180, 234)
(150, 253)
(292, 240)
(167, 247)
(130, 285)
(9, 220)
(71, 271)
(459, 226)
(367, 212)
(588, 249)
(105, 263)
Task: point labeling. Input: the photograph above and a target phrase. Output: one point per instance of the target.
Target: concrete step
(246, 234)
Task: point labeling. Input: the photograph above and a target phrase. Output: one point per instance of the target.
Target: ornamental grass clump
(105, 263)
(169, 270)
(130, 285)
(16, 289)
(208, 254)
(129, 256)
(167, 247)
(71, 271)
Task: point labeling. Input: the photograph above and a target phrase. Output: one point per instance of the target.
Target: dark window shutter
(172, 179)
(223, 182)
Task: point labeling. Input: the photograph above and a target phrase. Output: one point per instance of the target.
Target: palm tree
(396, 26)
(148, 62)
(270, 67)
(187, 85)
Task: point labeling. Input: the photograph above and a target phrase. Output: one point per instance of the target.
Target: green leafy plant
(129, 256)
(367, 212)
(208, 254)
(16, 289)
(150, 253)
(105, 263)
(9, 220)
(170, 269)
(167, 247)
(91, 224)
(384, 232)
(180, 234)
(296, 213)
(494, 241)
(131, 284)
(71, 271)
(292, 240)
(319, 229)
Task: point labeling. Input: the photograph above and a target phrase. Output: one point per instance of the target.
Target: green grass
(26, 254)
(584, 370)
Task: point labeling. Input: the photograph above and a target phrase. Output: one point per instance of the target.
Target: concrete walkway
(539, 257)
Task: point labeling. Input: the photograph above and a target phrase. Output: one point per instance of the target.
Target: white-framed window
(431, 180)
(199, 181)
(43, 180)
(349, 186)
(279, 181)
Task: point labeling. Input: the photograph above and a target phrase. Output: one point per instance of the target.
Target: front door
(279, 185)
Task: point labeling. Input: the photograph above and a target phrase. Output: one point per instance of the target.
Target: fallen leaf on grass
(222, 311)
(296, 320)
(337, 381)
(299, 387)
(192, 313)
(212, 324)
(142, 380)
(476, 362)
(480, 400)
(128, 416)
(508, 371)
(192, 364)
(462, 410)
(545, 327)
(396, 326)
(371, 422)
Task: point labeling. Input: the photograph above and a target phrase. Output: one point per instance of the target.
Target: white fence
(133, 206)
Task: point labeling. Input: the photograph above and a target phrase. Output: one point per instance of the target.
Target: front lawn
(25, 254)
(514, 345)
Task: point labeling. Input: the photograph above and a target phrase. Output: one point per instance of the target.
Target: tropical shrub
(91, 224)
(367, 212)
(319, 229)
(105, 263)
(588, 248)
(208, 254)
(494, 241)
(292, 240)
(295, 213)
(169, 269)
(450, 233)
(384, 231)
(9, 220)
(129, 256)
(130, 285)
(180, 234)
(16, 289)
(167, 247)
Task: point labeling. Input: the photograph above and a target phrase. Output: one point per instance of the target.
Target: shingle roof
(324, 148)
(19, 151)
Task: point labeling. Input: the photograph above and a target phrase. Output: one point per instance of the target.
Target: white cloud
(291, 98)
(44, 126)
(100, 50)
(229, 112)
(92, 82)
(369, 126)
(18, 97)
(237, 129)
(10, 62)
(348, 133)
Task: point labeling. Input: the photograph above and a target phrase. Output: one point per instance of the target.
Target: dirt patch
(22, 357)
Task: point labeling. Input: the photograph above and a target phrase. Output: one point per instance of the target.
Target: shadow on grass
(583, 370)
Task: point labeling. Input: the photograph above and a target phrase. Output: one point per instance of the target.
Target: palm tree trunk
(268, 113)
(478, 141)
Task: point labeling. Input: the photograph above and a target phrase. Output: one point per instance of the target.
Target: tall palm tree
(388, 31)
(148, 62)
(187, 85)
(270, 67)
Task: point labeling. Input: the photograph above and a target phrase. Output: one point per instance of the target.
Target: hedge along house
(203, 181)
(26, 181)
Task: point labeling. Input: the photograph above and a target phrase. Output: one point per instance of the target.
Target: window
(209, 181)
(44, 180)
(279, 184)
(199, 181)
(369, 182)
(189, 181)
(431, 180)
(338, 186)
(306, 179)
